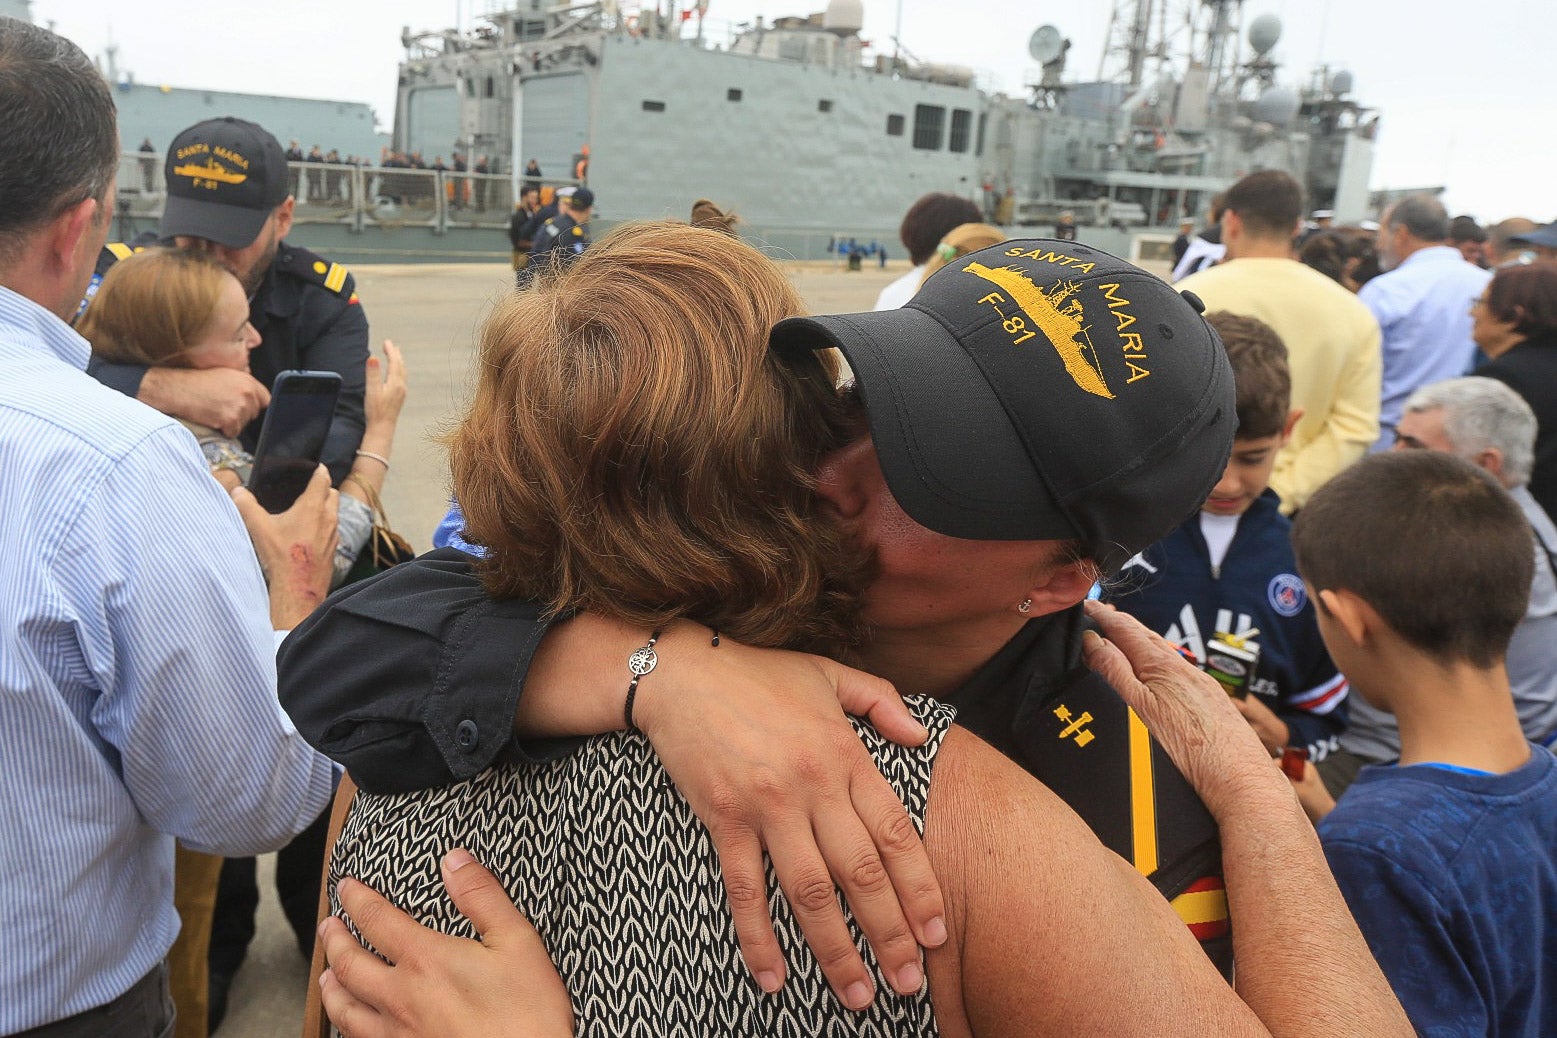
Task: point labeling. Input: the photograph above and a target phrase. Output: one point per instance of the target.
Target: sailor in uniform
(562, 237)
(227, 195)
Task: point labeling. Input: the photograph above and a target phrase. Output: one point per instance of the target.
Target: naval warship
(796, 126)
(814, 138)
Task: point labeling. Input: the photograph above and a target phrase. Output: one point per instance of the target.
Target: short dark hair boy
(1262, 382)
(1224, 585)
(1421, 564)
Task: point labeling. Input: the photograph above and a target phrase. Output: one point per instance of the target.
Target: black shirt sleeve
(412, 679)
(126, 378)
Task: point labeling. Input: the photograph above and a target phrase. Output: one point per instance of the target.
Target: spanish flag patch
(1203, 907)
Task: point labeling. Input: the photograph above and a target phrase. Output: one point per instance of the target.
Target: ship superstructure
(798, 124)
(795, 125)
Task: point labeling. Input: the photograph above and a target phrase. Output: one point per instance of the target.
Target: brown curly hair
(634, 449)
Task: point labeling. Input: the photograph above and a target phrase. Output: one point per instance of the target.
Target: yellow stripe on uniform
(120, 250)
(1143, 798)
(1201, 906)
(335, 278)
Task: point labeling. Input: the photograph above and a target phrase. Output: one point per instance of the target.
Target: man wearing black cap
(1037, 413)
(227, 195)
(562, 237)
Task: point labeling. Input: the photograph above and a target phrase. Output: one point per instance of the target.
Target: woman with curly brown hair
(645, 393)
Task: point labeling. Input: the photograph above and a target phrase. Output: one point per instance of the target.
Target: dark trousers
(1339, 770)
(299, 869)
(144, 1011)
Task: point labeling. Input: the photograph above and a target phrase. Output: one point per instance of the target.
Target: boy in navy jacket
(1224, 586)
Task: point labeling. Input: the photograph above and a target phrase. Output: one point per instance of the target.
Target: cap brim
(1546, 237)
(232, 226)
(950, 453)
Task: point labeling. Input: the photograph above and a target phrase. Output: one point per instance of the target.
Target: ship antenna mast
(1221, 54)
(897, 34)
(1128, 43)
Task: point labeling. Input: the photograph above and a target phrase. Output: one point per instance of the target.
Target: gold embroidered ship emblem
(1057, 313)
(210, 171)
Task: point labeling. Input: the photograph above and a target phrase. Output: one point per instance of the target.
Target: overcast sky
(1464, 88)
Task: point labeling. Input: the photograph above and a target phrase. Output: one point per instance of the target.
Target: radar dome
(1045, 44)
(1277, 106)
(844, 17)
(1341, 83)
(1264, 33)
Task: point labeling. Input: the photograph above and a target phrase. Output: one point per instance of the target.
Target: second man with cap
(228, 195)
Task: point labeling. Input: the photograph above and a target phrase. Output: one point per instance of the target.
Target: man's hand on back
(222, 398)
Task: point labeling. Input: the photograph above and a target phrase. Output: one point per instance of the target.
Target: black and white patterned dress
(621, 880)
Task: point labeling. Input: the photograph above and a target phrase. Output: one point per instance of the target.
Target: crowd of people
(1236, 592)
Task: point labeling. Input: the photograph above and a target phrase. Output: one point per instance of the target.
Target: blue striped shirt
(137, 679)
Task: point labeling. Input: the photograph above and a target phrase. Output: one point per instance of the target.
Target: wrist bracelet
(376, 457)
(641, 662)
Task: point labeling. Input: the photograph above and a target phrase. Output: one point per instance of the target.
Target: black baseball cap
(582, 198)
(224, 178)
(1544, 236)
(1041, 390)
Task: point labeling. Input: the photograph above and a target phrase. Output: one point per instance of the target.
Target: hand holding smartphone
(302, 406)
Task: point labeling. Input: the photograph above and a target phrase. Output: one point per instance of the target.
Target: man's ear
(1062, 586)
(1231, 224)
(846, 478)
(68, 228)
(1353, 615)
(1490, 459)
(284, 217)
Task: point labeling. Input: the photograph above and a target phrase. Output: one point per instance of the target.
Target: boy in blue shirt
(1224, 586)
(1421, 565)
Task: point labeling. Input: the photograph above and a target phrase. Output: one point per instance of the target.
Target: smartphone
(302, 405)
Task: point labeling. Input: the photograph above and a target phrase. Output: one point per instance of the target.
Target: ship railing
(350, 195)
(325, 191)
(399, 197)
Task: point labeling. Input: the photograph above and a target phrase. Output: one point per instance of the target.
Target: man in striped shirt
(137, 673)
